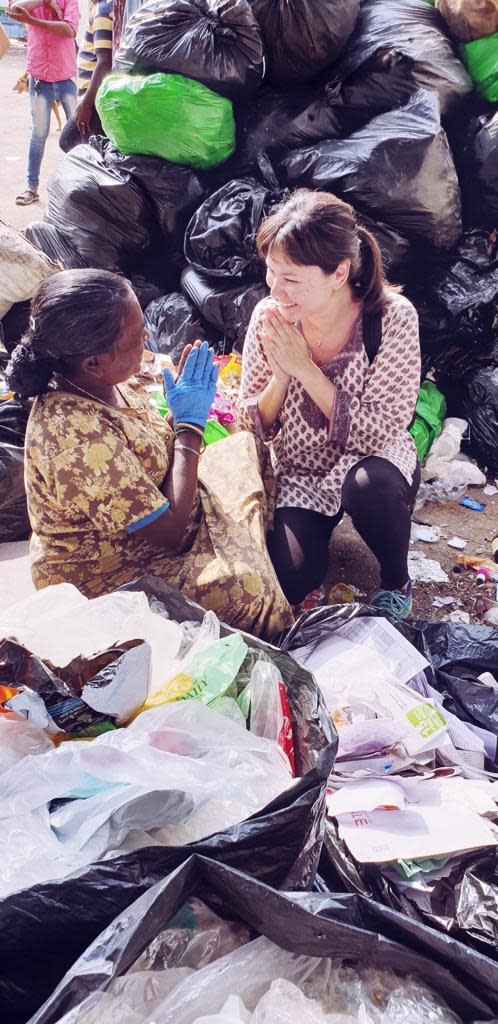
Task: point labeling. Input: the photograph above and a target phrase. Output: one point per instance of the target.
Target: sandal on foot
(27, 197)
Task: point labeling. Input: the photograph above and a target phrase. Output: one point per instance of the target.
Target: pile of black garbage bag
(371, 102)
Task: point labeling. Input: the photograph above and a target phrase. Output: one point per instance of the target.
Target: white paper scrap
(418, 832)
(425, 570)
(457, 542)
(365, 796)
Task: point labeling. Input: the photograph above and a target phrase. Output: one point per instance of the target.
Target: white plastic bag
(59, 624)
(175, 775)
(19, 739)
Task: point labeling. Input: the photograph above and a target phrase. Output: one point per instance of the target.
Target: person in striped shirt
(94, 63)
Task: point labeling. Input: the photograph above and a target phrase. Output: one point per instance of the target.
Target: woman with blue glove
(114, 491)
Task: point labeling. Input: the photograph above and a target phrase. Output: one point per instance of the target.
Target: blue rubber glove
(190, 397)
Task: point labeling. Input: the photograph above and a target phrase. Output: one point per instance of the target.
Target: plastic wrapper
(52, 242)
(338, 949)
(468, 19)
(172, 321)
(481, 59)
(220, 240)
(399, 168)
(85, 698)
(392, 31)
(14, 519)
(303, 37)
(226, 306)
(102, 212)
(204, 675)
(216, 43)
(168, 116)
(269, 708)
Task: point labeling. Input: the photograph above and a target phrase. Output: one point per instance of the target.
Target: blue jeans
(42, 95)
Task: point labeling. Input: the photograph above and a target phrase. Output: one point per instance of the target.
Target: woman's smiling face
(299, 291)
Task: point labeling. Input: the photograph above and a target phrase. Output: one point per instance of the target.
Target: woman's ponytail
(369, 283)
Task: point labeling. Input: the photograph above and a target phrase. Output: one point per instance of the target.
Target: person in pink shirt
(52, 27)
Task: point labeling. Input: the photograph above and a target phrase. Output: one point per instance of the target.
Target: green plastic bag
(481, 60)
(168, 116)
(428, 421)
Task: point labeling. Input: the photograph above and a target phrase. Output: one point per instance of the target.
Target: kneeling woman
(330, 378)
(113, 491)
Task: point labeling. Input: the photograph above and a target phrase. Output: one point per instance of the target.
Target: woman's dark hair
(74, 313)
(316, 229)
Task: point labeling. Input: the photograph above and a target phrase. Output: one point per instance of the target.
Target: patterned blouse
(374, 405)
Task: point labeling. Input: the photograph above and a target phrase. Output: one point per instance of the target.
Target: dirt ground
(350, 560)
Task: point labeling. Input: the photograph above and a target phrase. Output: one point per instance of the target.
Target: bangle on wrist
(187, 448)
(192, 427)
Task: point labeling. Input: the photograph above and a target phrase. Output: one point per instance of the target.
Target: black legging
(380, 502)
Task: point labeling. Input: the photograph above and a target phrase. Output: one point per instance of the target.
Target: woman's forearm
(180, 484)
(319, 388)
(270, 402)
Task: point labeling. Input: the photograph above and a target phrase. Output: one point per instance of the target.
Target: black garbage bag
(14, 324)
(354, 932)
(473, 277)
(398, 168)
(303, 37)
(174, 191)
(400, 45)
(466, 294)
(101, 211)
(145, 291)
(173, 322)
(221, 237)
(14, 519)
(54, 244)
(480, 409)
(216, 42)
(395, 249)
(459, 654)
(278, 121)
(226, 305)
(481, 173)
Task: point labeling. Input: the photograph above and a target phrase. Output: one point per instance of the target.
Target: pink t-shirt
(51, 57)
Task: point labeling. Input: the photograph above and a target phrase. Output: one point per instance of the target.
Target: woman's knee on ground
(373, 483)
